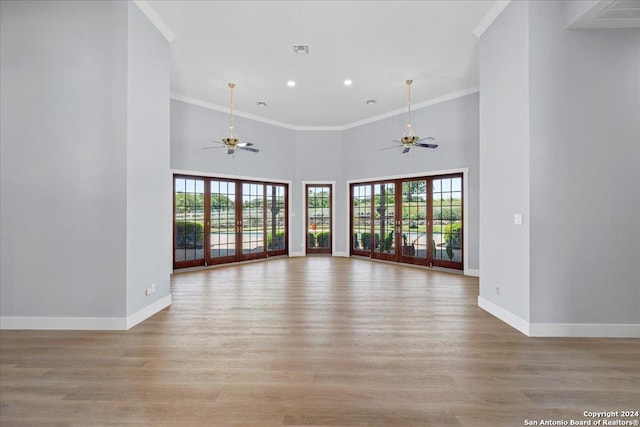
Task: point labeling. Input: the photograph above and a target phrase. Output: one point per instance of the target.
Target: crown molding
(403, 110)
(319, 128)
(490, 16)
(155, 19)
(225, 109)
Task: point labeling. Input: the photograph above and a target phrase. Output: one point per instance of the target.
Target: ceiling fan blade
(389, 148)
(427, 138)
(253, 150)
(396, 140)
(218, 142)
(230, 151)
(406, 150)
(245, 144)
(420, 144)
(209, 148)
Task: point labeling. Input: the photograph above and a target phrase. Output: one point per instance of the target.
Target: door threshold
(226, 264)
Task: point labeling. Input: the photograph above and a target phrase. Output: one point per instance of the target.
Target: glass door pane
(189, 233)
(361, 219)
(223, 220)
(414, 232)
(252, 226)
(447, 221)
(318, 218)
(276, 220)
(384, 222)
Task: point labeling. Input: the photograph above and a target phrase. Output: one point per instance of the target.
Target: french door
(413, 220)
(221, 220)
(318, 213)
(384, 221)
(415, 228)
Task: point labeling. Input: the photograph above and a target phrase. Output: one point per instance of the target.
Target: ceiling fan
(232, 142)
(409, 139)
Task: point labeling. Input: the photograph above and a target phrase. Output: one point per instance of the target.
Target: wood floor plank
(315, 341)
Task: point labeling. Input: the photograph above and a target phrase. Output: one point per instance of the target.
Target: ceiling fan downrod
(232, 140)
(409, 137)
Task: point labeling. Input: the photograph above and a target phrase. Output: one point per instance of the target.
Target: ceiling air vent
(301, 49)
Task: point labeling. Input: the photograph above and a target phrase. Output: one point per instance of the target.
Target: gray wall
(194, 127)
(585, 171)
(319, 159)
(149, 204)
(85, 214)
(570, 100)
(63, 147)
(453, 123)
(504, 160)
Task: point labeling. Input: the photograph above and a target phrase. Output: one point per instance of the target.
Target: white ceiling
(377, 44)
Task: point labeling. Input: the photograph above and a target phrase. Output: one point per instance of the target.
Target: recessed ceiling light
(347, 82)
(291, 83)
(301, 49)
(261, 103)
(371, 101)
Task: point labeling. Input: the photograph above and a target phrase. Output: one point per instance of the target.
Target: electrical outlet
(148, 291)
(497, 290)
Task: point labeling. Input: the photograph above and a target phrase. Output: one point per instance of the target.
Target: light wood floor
(313, 341)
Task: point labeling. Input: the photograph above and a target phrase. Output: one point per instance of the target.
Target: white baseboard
(148, 311)
(506, 316)
(341, 254)
(295, 254)
(65, 323)
(472, 272)
(85, 323)
(569, 330)
(584, 330)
